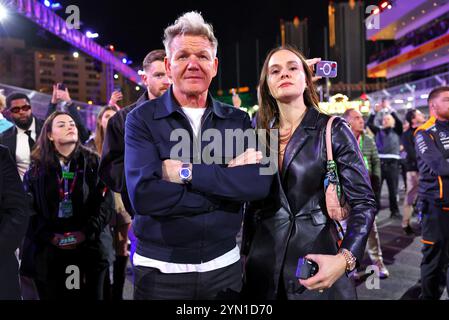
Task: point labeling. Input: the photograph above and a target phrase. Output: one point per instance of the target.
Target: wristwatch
(350, 259)
(185, 173)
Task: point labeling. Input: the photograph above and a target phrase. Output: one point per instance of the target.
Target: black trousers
(390, 173)
(221, 284)
(435, 250)
(9, 277)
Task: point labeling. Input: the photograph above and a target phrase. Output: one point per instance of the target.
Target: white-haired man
(188, 215)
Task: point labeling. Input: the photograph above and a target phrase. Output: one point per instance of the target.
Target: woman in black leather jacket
(293, 221)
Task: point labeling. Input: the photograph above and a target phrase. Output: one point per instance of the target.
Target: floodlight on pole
(3, 13)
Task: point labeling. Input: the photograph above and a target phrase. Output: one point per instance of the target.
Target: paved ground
(402, 257)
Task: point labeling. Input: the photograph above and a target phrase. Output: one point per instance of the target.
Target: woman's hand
(79, 236)
(250, 156)
(331, 268)
(311, 63)
(57, 237)
(115, 98)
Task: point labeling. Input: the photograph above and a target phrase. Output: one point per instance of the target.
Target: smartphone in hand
(326, 69)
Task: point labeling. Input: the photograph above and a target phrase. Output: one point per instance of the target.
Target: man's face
(191, 65)
(155, 79)
(21, 114)
(356, 122)
(440, 106)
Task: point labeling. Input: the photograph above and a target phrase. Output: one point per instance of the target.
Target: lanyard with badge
(65, 193)
(365, 159)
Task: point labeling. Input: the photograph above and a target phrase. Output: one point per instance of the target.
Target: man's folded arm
(149, 194)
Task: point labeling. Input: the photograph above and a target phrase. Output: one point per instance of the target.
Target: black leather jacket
(293, 222)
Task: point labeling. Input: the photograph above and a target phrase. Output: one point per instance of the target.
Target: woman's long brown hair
(99, 132)
(44, 153)
(268, 108)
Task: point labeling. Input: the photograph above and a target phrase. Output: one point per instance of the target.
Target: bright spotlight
(3, 13)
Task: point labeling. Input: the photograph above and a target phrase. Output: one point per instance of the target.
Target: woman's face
(286, 77)
(63, 130)
(105, 118)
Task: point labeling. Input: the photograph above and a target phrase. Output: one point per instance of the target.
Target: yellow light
(90, 102)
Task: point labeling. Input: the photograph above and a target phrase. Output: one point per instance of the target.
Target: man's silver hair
(190, 23)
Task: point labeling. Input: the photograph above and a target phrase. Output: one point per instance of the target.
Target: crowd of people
(69, 196)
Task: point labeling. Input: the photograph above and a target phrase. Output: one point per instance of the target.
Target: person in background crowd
(403, 155)
(14, 215)
(72, 208)
(4, 124)
(372, 163)
(20, 139)
(388, 142)
(111, 168)
(416, 119)
(432, 145)
(121, 220)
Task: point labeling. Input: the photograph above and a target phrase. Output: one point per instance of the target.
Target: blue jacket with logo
(432, 149)
(199, 221)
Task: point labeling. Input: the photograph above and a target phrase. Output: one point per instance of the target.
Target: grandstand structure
(415, 53)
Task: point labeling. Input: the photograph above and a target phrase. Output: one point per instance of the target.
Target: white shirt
(194, 115)
(222, 261)
(23, 152)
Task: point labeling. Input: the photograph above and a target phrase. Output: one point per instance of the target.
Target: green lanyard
(365, 159)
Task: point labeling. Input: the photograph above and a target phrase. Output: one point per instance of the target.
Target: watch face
(185, 173)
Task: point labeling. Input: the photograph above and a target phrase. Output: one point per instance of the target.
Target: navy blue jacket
(186, 223)
(432, 149)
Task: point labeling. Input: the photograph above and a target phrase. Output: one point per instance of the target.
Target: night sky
(136, 27)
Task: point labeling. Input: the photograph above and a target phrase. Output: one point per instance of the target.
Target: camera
(61, 86)
(306, 269)
(327, 69)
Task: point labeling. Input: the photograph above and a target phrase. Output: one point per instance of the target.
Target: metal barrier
(411, 94)
(40, 101)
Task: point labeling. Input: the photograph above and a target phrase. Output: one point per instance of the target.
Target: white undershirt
(222, 261)
(194, 115)
(23, 152)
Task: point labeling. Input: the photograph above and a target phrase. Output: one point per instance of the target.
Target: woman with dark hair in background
(72, 208)
(121, 220)
(293, 222)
